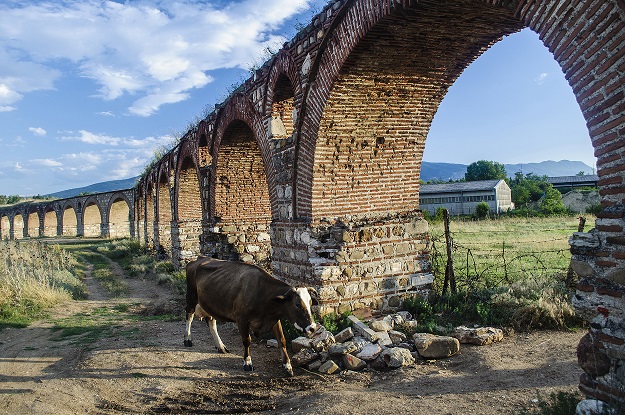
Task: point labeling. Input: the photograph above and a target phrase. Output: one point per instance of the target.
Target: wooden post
(570, 274)
(450, 278)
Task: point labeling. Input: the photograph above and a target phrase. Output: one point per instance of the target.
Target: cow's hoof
(289, 372)
(248, 368)
(222, 351)
(188, 343)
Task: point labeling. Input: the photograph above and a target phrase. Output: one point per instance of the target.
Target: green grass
(559, 403)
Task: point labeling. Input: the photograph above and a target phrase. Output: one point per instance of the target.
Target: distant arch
(33, 222)
(18, 226)
(5, 227)
(50, 222)
(92, 219)
(70, 221)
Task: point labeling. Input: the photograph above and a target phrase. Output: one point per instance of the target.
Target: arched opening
(119, 219)
(140, 214)
(204, 155)
(164, 212)
(149, 217)
(70, 222)
(92, 220)
(18, 226)
(282, 109)
(189, 213)
(33, 223)
(50, 223)
(5, 227)
(242, 205)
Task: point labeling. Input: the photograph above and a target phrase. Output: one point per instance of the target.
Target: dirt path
(139, 365)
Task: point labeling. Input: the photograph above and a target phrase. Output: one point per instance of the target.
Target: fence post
(450, 278)
(570, 274)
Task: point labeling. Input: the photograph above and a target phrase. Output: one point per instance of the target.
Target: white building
(461, 198)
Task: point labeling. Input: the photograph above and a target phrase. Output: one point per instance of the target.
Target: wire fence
(486, 257)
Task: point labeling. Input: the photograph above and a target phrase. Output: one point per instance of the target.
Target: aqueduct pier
(311, 167)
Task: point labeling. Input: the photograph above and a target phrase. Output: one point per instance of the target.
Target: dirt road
(135, 362)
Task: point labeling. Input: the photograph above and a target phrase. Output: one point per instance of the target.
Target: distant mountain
(450, 171)
(102, 187)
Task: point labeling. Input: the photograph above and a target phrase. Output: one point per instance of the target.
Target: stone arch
(140, 212)
(204, 132)
(188, 212)
(18, 226)
(70, 220)
(283, 90)
(50, 221)
(33, 222)
(119, 216)
(164, 206)
(5, 227)
(149, 214)
(92, 218)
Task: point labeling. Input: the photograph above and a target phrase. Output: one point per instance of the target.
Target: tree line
(12, 199)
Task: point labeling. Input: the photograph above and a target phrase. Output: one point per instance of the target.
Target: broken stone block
(322, 340)
(362, 329)
(396, 337)
(314, 365)
(479, 335)
(272, 343)
(328, 367)
(303, 357)
(344, 335)
(301, 343)
(360, 342)
(380, 325)
(351, 362)
(384, 339)
(431, 346)
(342, 348)
(370, 352)
(397, 357)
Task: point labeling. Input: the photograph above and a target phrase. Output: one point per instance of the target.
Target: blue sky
(90, 89)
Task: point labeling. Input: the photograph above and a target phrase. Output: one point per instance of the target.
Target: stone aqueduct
(311, 167)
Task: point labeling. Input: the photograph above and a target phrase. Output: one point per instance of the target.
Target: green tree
(485, 170)
(536, 190)
(481, 210)
(13, 199)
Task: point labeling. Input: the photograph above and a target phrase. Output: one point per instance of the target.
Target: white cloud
(46, 162)
(38, 131)
(541, 78)
(106, 113)
(91, 138)
(153, 49)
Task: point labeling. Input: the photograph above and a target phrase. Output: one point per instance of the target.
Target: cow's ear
(314, 295)
(284, 297)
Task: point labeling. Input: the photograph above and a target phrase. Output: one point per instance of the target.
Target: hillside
(450, 171)
(97, 188)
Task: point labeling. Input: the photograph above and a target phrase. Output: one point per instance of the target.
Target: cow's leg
(246, 339)
(212, 327)
(279, 334)
(187, 334)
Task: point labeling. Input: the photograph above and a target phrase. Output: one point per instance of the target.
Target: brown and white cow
(249, 296)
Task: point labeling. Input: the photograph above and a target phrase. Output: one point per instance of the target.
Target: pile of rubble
(379, 346)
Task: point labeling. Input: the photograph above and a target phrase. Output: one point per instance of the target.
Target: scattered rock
(314, 365)
(479, 335)
(351, 362)
(397, 337)
(397, 357)
(322, 340)
(384, 339)
(431, 346)
(380, 325)
(328, 367)
(370, 352)
(303, 357)
(301, 343)
(344, 335)
(342, 348)
(593, 407)
(272, 343)
(362, 329)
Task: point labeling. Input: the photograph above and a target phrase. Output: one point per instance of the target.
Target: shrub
(481, 210)
(559, 403)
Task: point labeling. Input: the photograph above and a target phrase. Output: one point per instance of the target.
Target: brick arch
(283, 71)
(92, 217)
(150, 203)
(5, 226)
(33, 222)
(18, 221)
(240, 109)
(50, 221)
(188, 201)
(379, 85)
(119, 215)
(69, 219)
(164, 205)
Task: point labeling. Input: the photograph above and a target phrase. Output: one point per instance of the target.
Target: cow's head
(297, 303)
